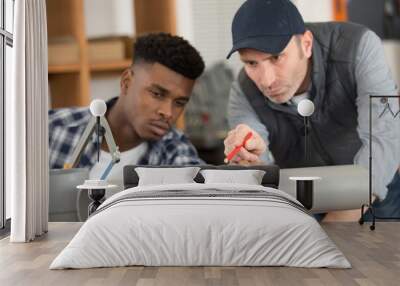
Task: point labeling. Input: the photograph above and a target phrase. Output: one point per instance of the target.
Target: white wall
(109, 18)
(315, 10)
(105, 85)
(207, 25)
(392, 53)
(184, 19)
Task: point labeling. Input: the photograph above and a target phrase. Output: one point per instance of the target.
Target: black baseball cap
(265, 25)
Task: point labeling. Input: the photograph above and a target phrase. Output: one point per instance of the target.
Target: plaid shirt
(67, 125)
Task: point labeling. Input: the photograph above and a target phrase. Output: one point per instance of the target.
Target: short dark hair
(171, 51)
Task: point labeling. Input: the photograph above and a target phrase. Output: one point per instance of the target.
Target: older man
(337, 66)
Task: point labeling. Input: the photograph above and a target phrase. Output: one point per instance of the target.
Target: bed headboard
(270, 179)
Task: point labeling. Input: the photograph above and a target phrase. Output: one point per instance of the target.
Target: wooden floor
(374, 255)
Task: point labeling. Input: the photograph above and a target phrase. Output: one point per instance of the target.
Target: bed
(202, 222)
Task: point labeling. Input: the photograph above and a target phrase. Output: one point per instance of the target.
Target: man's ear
(126, 80)
(307, 43)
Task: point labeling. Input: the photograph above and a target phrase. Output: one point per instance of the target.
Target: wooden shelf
(70, 83)
(110, 66)
(69, 68)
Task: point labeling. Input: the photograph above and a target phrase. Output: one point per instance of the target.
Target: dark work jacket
(333, 137)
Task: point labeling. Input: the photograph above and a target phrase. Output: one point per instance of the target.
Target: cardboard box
(107, 49)
(63, 51)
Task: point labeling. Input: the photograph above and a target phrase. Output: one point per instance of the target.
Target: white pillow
(248, 177)
(163, 176)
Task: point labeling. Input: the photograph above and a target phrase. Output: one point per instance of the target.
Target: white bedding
(185, 230)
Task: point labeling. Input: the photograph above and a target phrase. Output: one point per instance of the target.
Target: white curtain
(27, 124)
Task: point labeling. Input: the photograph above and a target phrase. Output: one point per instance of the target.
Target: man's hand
(250, 153)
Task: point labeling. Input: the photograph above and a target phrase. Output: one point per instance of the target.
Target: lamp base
(96, 195)
(304, 193)
(370, 209)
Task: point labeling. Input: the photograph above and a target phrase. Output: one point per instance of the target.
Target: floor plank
(374, 255)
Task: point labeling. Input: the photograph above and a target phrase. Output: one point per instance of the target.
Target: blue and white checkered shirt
(66, 126)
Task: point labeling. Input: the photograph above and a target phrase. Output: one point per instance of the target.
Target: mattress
(201, 225)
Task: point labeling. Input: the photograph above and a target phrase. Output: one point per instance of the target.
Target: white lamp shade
(98, 107)
(305, 107)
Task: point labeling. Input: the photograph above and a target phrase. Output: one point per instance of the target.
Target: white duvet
(185, 230)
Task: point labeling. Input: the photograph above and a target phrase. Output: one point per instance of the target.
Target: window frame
(6, 39)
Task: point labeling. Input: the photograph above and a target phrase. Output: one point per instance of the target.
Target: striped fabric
(67, 125)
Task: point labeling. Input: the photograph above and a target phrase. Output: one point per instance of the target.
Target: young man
(154, 92)
(337, 66)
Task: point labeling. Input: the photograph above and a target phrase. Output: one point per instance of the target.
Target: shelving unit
(110, 66)
(70, 83)
(67, 68)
